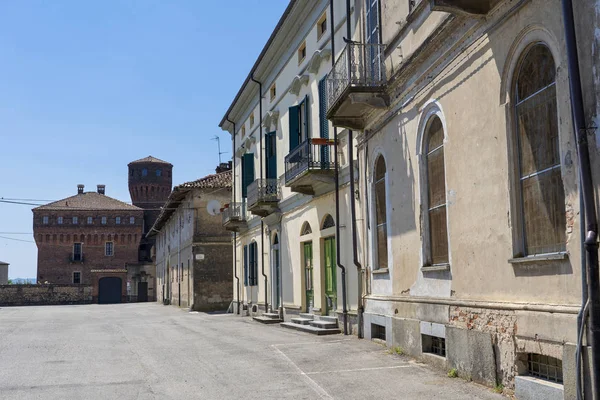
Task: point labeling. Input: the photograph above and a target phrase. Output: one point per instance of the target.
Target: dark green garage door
(109, 290)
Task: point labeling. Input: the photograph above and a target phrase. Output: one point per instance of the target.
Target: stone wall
(37, 295)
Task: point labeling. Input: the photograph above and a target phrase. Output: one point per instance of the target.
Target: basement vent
(545, 367)
(377, 331)
(434, 345)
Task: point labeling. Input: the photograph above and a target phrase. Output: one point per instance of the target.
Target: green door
(308, 276)
(330, 277)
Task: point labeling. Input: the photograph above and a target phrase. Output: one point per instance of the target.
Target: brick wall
(30, 295)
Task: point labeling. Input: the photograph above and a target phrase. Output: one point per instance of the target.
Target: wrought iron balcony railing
(360, 66)
(312, 154)
(263, 191)
(236, 212)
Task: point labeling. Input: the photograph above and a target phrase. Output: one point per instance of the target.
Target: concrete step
(266, 320)
(271, 315)
(306, 315)
(328, 318)
(301, 321)
(324, 324)
(310, 329)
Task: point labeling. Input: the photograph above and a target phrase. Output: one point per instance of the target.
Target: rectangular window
(77, 253)
(302, 52)
(60, 220)
(103, 220)
(45, 220)
(323, 121)
(243, 130)
(434, 345)
(273, 92)
(75, 220)
(545, 367)
(90, 220)
(131, 220)
(76, 277)
(251, 120)
(108, 249)
(118, 220)
(321, 26)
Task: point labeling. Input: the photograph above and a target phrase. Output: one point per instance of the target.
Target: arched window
(542, 197)
(379, 191)
(436, 193)
(275, 239)
(305, 229)
(328, 222)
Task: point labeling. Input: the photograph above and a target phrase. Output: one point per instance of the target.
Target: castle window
(118, 220)
(77, 253)
(108, 249)
(103, 220)
(75, 221)
(90, 220)
(77, 277)
(158, 172)
(132, 220)
(60, 220)
(45, 220)
(144, 172)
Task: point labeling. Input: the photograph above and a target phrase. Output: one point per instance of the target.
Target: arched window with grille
(380, 249)
(306, 229)
(540, 186)
(435, 176)
(328, 222)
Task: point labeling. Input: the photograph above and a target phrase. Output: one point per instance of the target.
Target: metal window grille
(545, 367)
(377, 331)
(76, 277)
(118, 220)
(103, 220)
(109, 249)
(45, 220)
(60, 220)
(75, 220)
(434, 345)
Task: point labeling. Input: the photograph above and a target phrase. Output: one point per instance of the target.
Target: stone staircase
(268, 318)
(321, 325)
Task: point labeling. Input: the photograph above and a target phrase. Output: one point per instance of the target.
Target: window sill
(381, 271)
(436, 267)
(539, 257)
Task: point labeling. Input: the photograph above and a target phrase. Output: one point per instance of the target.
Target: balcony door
(247, 172)
(308, 277)
(271, 155)
(373, 40)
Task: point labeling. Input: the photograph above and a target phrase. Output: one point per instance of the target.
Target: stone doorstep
(271, 315)
(306, 315)
(266, 320)
(328, 319)
(310, 329)
(324, 324)
(301, 321)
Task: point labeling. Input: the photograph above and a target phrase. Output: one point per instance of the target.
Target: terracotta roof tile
(220, 180)
(149, 159)
(88, 201)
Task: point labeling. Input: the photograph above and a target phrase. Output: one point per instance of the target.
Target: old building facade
(465, 249)
(193, 257)
(88, 239)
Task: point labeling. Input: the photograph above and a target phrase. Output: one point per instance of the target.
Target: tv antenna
(218, 139)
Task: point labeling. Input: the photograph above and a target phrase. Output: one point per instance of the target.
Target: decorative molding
(318, 57)
(297, 83)
(270, 119)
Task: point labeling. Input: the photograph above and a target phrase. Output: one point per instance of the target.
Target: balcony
(356, 85)
(76, 258)
(309, 168)
(471, 7)
(234, 217)
(263, 197)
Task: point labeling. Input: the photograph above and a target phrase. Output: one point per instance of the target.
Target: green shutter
(271, 158)
(294, 133)
(306, 121)
(246, 265)
(247, 172)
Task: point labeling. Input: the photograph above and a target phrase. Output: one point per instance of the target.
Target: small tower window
(60, 220)
(302, 52)
(90, 220)
(251, 120)
(158, 172)
(132, 220)
(75, 220)
(45, 220)
(144, 172)
(103, 220)
(273, 92)
(118, 220)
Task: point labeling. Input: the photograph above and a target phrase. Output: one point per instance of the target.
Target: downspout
(582, 315)
(262, 223)
(587, 187)
(337, 188)
(354, 239)
(235, 269)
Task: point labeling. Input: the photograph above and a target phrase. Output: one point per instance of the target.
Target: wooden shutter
(323, 122)
(247, 172)
(294, 133)
(271, 159)
(246, 265)
(306, 121)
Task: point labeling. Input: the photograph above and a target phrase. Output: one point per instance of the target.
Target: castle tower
(150, 183)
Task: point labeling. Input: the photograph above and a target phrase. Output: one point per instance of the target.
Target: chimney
(101, 189)
(223, 167)
(80, 189)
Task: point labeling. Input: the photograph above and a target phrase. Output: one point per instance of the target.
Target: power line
(18, 240)
(16, 233)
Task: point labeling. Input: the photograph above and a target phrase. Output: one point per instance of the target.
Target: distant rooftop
(149, 159)
(3, 263)
(88, 201)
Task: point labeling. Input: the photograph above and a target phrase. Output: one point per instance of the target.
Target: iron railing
(263, 190)
(312, 154)
(235, 212)
(360, 65)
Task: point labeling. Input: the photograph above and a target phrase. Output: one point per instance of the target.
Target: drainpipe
(235, 270)
(587, 187)
(582, 316)
(337, 189)
(354, 239)
(262, 223)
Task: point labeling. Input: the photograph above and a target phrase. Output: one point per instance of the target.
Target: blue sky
(88, 86)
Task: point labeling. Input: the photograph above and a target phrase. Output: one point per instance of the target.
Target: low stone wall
(37, 295)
